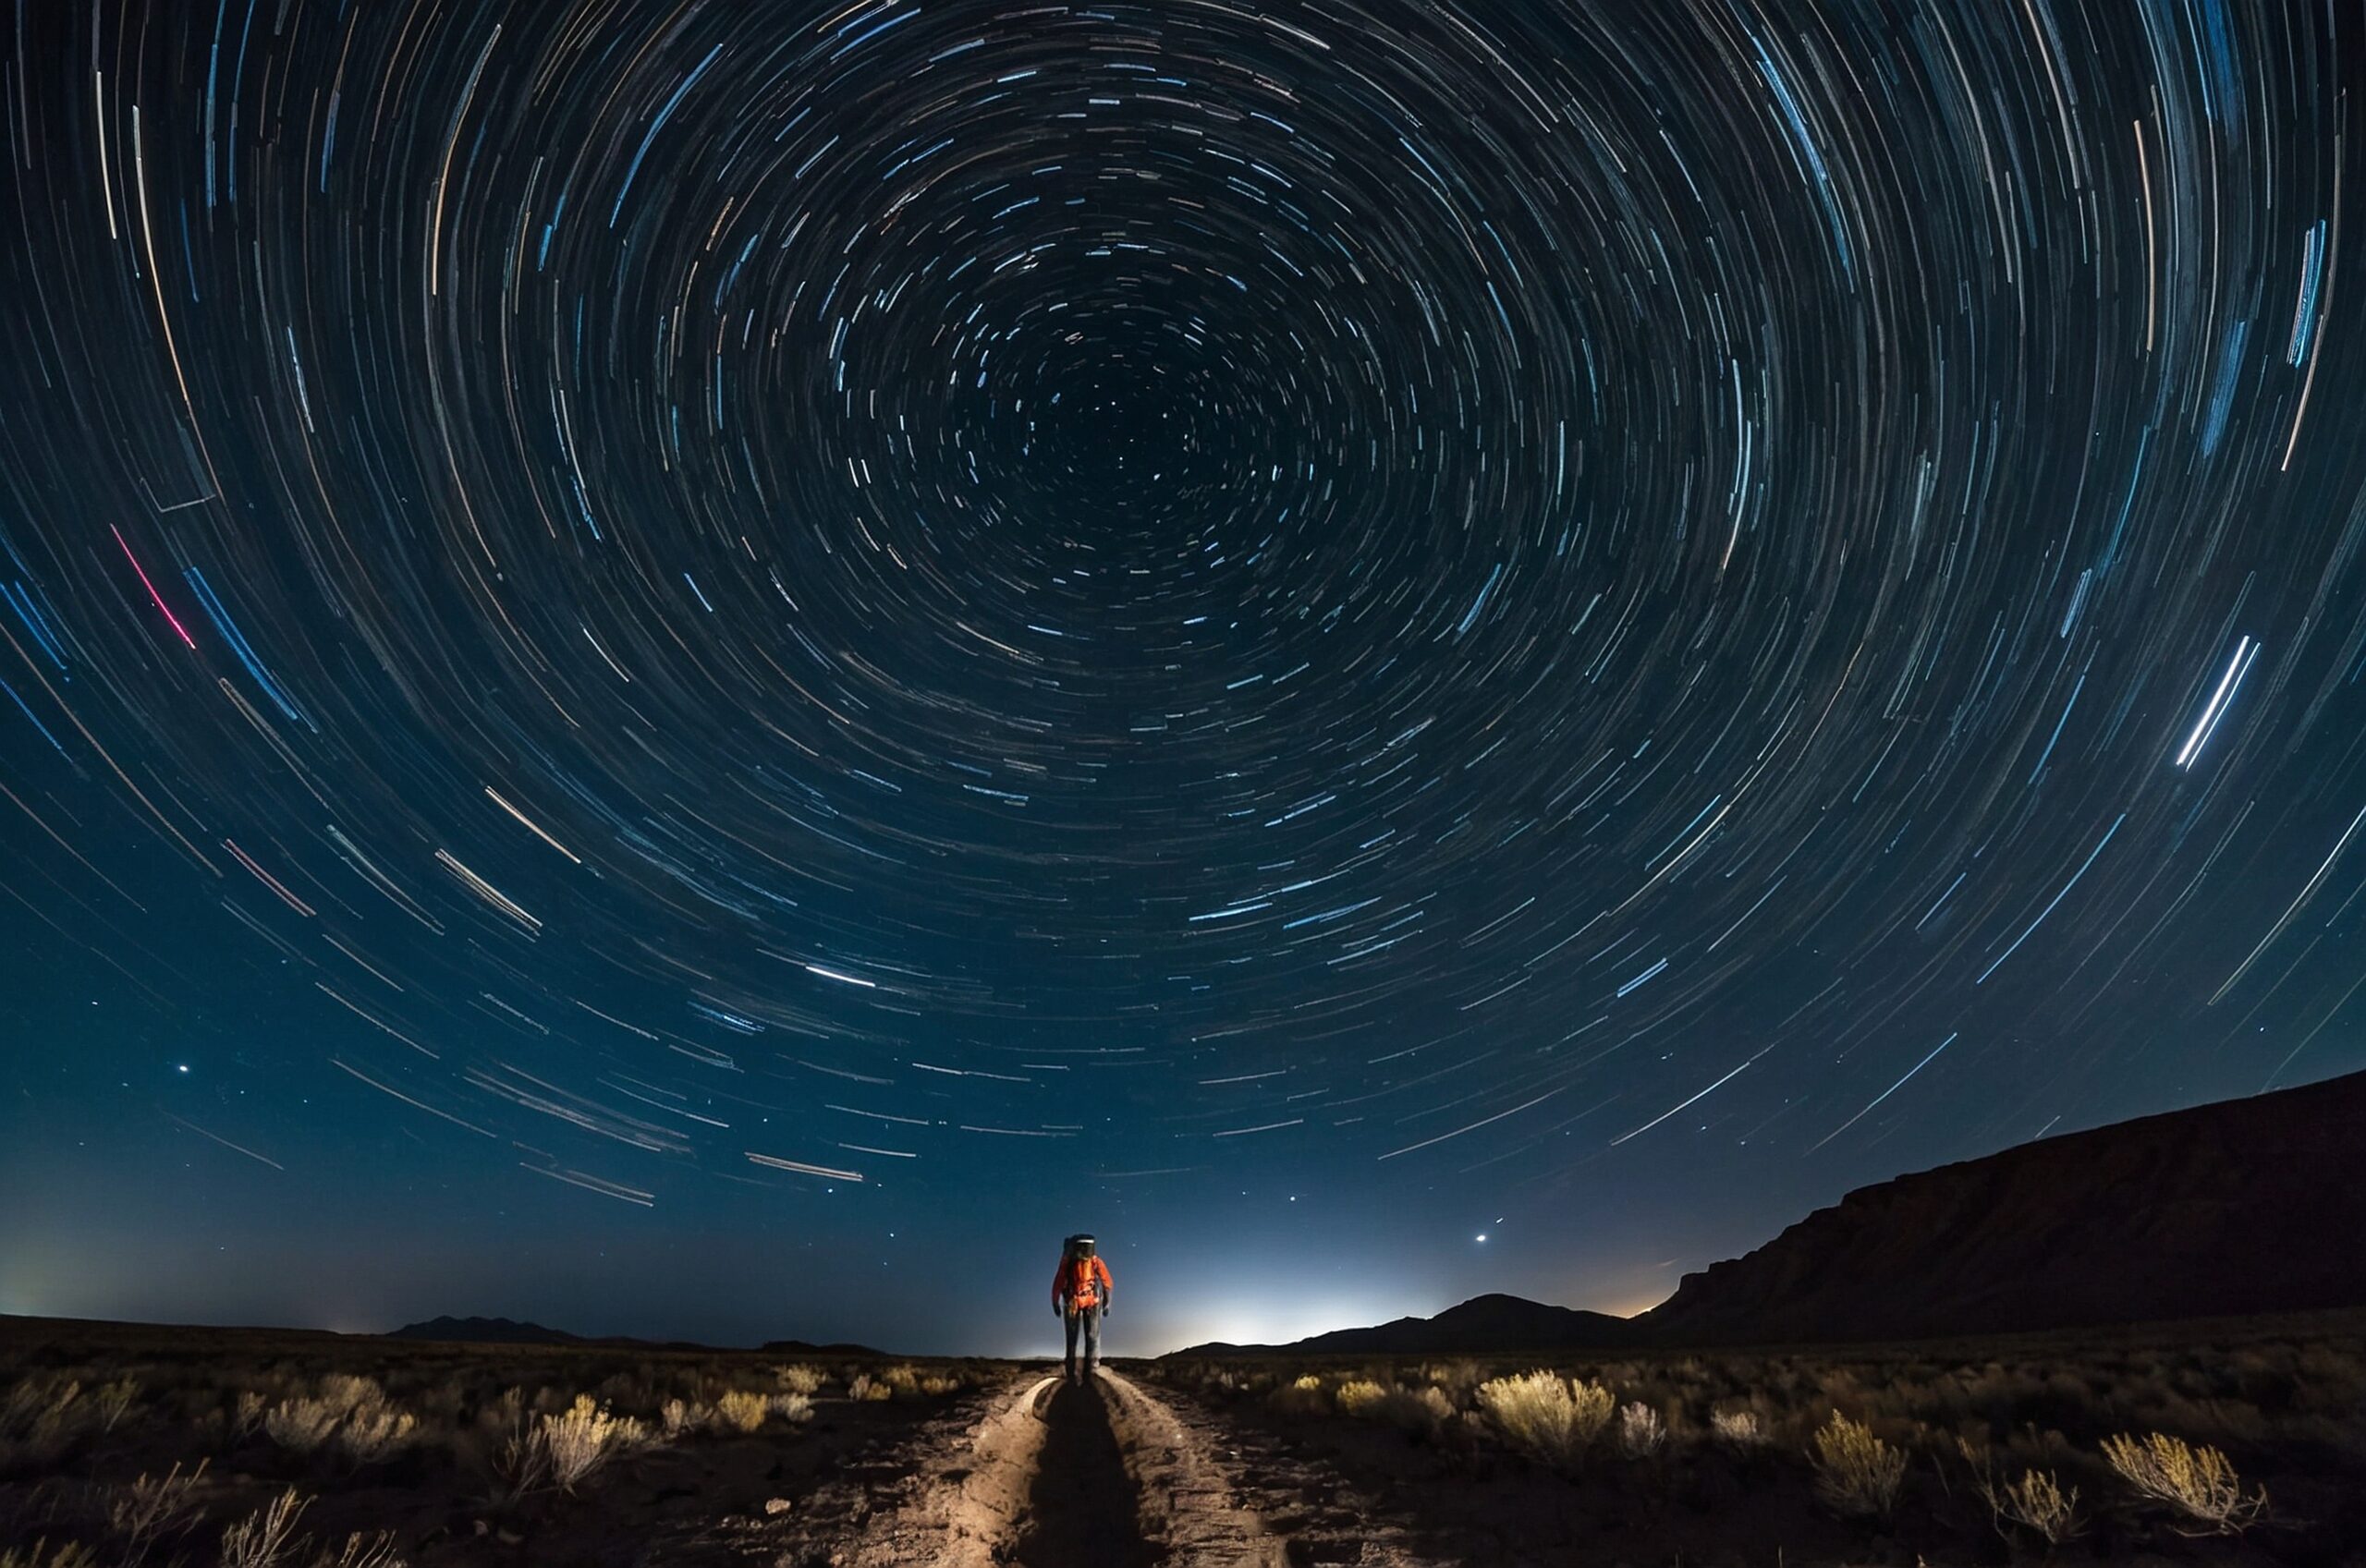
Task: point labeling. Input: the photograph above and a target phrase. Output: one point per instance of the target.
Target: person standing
(1081, 1292)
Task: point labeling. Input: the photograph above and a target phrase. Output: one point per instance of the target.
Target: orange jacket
(1082, 1282)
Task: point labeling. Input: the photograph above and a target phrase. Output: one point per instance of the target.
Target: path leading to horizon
(1046, 1474)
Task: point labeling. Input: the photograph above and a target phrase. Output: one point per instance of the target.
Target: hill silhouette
(1492, 1324)
(2227, 1210)
(2231, 1210)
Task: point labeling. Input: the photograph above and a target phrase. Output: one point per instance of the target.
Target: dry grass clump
(347, 1415)
(742, 1411)
(1555, 1418)
(585, 1438)
(1739, 1429)
(152, 1509)
(266, 1538)
(1640, 1431)
(680, 1418)
(1857, 1474)
(2037, 1502)
(801, 1378)
(40, 1418)
(42, 1555)
(2198, 1484)
(1303, 1397)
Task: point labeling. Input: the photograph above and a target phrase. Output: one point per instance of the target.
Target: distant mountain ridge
(2235, 1208)
(1485, 1325)
(483, 1331)
(505, 1331)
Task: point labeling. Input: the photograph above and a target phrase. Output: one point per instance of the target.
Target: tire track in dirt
(1042, 1475)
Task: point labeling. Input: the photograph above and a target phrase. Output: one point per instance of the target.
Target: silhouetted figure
(1079, 1295)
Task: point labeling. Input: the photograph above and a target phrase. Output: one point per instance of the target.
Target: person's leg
(1073, 1316)
(1091, 1339)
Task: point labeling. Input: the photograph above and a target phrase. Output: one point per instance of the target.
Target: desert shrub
(373, 1431)
(362, 1552)
(742, 1411)
(303, 1424)
(1305, 1396)
(521, 1465)
(863, 1388)
(807, 1380)
(111, 1402)
(246, 1420)
(680, 1418)
(1739, 1429)
(584, 1439)
(1855, 1473)
(151, 1508)
(938, 1384)
(1417, 1411)
(1358, 1395)
(2197, 1484)
(792, 1406)
(41, 1554)
(39, 1419)
(44, 1554)
(903, 1380)
(266, 1538)
(343, 1392)
(1456, 1379)
(1640, 1430)
(1552, 1416)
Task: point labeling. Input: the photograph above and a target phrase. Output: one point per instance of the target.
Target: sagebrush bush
(1555, 1418)
(1640, 1430)
(303, 1424)
(373, 1431)
(2198, 1484)
(150, 1509)
(1357, 1395)
(40, 1418)
(793, 1406)
(265, 1539)
(742, 1411)
(807, 1380)
(862, 1388)
(1418, 1411)
(2036, 1502)
(1855, 1473)
(583, 1439)
(1740, 1429)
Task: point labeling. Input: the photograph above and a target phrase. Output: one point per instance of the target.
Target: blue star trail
(1276, 632)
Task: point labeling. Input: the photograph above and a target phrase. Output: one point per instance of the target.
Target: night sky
(711, 669)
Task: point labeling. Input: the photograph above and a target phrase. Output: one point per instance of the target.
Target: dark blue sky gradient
(711, 670)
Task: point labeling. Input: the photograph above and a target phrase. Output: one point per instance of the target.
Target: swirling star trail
(697, 666)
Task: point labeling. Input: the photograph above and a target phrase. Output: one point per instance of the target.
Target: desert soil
(1041, 1474)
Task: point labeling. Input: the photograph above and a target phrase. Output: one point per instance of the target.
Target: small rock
(776, 1505)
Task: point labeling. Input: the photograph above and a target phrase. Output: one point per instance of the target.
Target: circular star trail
(1469, 600)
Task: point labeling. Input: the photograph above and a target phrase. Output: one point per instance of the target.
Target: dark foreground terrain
(2233, 1442)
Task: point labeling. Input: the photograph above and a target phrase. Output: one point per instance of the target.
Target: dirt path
(1039, 1474)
